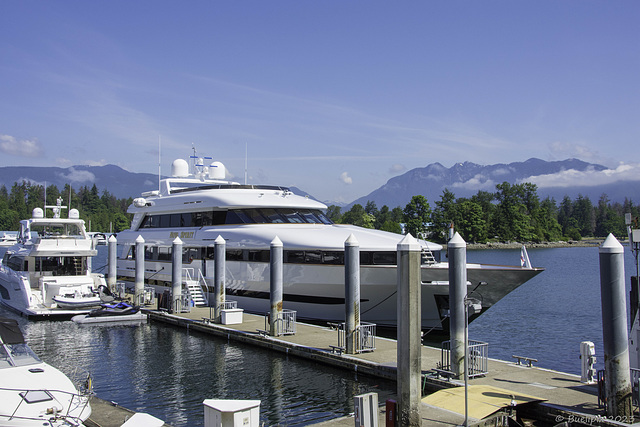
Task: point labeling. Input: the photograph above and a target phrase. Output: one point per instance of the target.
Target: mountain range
(463, 179)
(555, 179)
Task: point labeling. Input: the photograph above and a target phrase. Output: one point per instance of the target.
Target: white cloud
(344, 177)
(20, 147)
(590, 177)
(397, 168)
(76, 176)
(478, 182)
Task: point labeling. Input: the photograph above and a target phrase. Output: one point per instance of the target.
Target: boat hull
(317, 292)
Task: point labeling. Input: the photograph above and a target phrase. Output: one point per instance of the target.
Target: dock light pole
(409, 315)
(139, 280)
(113, 259)
(275, 264)
(614, 329)
(176, 276)
(219, 260)
(352, 293)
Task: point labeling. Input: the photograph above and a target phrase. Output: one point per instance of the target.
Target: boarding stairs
(427, 256)
(194, 287)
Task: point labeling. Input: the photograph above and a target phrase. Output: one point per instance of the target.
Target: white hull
(317, 292)
(84, 319)
(38, 301)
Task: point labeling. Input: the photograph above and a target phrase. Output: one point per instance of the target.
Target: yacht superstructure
(199, 205)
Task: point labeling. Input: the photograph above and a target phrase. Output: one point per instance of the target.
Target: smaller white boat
(33, 393)
(77, 297)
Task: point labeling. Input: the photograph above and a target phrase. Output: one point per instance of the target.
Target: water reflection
(168, 372)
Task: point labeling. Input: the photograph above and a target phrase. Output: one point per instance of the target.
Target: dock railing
(365, 337)
(285, 322)
(478, 354)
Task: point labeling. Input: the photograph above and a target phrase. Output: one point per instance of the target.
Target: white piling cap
(408, 243)
(140, 239)
(611, 245)
(220, 240)
(276, 242)
(177, 241)
(457, 241)
(351, 241)
(112, 239)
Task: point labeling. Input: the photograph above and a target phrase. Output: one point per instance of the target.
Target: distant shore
(560, 244)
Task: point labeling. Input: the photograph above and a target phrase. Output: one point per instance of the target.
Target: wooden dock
(560, 397)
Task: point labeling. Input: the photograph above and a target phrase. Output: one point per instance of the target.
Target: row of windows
(235, 216)
(256, 255)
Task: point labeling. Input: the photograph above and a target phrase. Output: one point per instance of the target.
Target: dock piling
(275, 264)
(220, 256)
(176, 276)
(409, 332)
(614, 329)
(113, 259)
(457, 253)
(139, 279)
(352, 292)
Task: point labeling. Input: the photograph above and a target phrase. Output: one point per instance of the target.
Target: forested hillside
(511, 213)
(99, 210)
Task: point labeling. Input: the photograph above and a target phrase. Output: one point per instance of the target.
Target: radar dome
(37, 213)
(217, 170)
(74, 214)
(179, 168)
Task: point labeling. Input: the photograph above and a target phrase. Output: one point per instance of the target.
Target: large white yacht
(198, 205)
(48, 271)
(33, 393)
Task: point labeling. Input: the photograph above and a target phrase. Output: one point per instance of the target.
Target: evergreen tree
(416, 216)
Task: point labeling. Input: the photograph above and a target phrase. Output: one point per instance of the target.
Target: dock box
(231, 316)
(231, 413)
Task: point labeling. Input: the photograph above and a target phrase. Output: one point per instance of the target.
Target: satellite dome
(217, 170)
(180, 168)
(37, 213)
(74, 214)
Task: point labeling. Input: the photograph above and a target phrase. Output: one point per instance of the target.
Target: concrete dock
(554, 397)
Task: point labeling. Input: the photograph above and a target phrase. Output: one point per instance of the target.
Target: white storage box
(231, 316)
(231, 413)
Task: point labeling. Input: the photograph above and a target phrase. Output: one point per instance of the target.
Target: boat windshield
(12, 355)
(57, 231)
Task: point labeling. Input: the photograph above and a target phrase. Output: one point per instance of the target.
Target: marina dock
(551, 397)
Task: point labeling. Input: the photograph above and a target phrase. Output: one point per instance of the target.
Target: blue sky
(334, 97)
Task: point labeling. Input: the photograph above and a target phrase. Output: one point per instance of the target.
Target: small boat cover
(10, 331)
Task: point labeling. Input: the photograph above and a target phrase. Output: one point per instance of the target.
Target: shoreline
(584, 243)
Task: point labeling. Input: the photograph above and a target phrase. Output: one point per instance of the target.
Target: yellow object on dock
(483, 401)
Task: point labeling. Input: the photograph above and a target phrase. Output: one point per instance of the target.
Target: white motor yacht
(198, 205)
(8, 239)
(48, 271)
(33, 393)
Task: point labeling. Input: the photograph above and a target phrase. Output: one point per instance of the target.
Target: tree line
(511, 213)
(102, 212)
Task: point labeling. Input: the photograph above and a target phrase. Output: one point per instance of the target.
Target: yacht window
(234, 255)
(385, 258)
(333, 257)
(309, 217)
(273, 216)
(256, 216)
(219, 217)
(185, 220)
(164, 253)
(175, 220)
(292, 216)
(201, 219)
(259, 256)
(165, 221)
(294, 257)
(313, 257)
(238, 217)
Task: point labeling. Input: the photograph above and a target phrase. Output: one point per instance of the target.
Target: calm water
(168, 372)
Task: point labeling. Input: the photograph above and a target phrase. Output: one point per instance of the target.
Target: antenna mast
(246, 155)
(159, 161)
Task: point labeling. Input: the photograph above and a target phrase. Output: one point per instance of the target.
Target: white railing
(478, 358)
(365, 339)
(285, 322)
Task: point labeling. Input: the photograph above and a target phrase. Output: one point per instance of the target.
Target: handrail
(51, 393)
